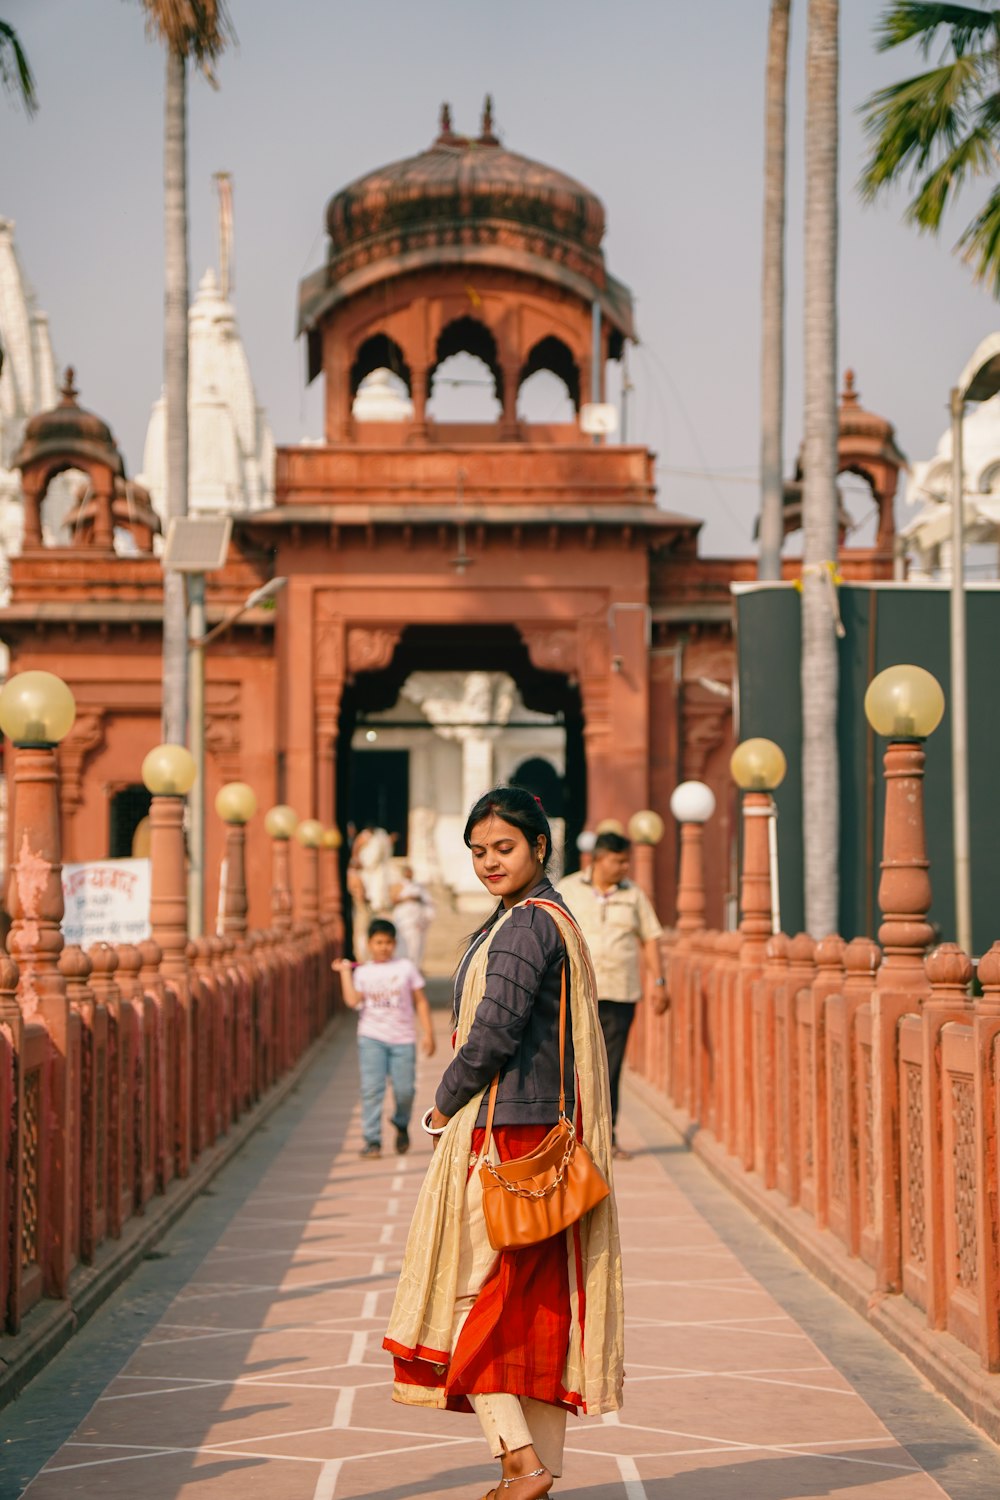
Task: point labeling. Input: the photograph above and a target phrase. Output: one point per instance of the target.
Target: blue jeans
(381, 1061)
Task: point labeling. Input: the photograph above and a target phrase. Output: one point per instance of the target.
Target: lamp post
(198, 640)
(310, 835)
(645, 829)
(904, 704)
(37, 710)
(758, 767)
(169, 772)
(279, 824)
(692, 804)
(235, 804)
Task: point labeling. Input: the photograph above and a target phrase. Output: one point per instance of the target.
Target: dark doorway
(380, 792)
(542, 780)
(128, 808)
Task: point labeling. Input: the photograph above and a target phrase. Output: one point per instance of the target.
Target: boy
(389, 994)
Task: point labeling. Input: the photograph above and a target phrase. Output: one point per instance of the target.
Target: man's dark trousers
(616, 1022)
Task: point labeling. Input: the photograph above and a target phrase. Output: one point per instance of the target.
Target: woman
(524, 1336)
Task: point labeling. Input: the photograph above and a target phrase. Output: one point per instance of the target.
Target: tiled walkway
(265, 1378)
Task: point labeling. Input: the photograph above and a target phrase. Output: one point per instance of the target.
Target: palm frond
(15, 71)
(199, 29)
(909, 122)
(972, 157)
(920, 20)
(980, 244)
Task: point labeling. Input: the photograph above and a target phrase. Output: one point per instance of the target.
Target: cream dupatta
(421, 1323)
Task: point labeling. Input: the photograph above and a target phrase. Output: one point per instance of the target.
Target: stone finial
(444, 124)
(151, 954)
(802, 949)
(862, 957)
(776, 951)
(74, 964)
(949, 971)
(830, 952)
(989, 979)
(103, 959)
(849, 396)
(68, 390)
(486, 134)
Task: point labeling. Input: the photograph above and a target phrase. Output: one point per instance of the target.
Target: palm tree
(941, 127)
(820, 778)
(772, 375)
(15, 71)
(198, 30)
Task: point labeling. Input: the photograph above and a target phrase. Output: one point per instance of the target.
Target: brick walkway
(264, 1376)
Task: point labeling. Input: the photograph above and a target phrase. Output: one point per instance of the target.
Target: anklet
(535, 1474)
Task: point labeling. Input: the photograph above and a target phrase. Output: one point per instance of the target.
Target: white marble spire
(231, 448)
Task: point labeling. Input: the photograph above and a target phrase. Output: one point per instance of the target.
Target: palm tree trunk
(772, 375)
(820, 779)
(175, 379)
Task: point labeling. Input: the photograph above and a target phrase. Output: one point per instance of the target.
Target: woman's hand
(438, 1122)
(427, 1046)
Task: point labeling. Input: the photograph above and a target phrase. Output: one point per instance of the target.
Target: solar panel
(197, 544)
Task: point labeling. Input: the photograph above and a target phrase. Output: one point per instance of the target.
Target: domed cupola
(466, 203)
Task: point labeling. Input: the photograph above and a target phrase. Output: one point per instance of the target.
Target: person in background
(412, 914)
(388, 992)
(621, 927)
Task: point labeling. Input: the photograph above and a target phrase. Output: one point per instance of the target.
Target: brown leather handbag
(531, 1198)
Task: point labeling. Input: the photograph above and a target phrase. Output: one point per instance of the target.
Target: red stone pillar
(904, 897)
(949, 972)
(986, 1031)
(35, 942)
(168, 919)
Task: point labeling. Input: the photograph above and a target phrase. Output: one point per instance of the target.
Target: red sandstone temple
(534, 549)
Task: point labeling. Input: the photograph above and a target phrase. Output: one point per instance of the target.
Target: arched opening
(549, 383)
(466, 383)
(459, 709)
(129, 806)
(379, 352)
(542, 780)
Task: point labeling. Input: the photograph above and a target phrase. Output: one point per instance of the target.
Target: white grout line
(344, 1408)
(369, 1307)
(326, 1484)
(356, 1356)
(634, 1487)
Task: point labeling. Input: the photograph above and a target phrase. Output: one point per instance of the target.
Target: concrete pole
(196, 733)
(959, 685)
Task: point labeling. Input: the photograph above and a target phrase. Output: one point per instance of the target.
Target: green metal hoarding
(885, 623)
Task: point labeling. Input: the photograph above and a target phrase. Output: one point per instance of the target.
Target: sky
(655, 105)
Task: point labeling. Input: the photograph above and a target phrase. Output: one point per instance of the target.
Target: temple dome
(464, 201)
(464, 189)
(68, 428)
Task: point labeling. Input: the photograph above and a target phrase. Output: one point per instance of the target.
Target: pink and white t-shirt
(386, 995)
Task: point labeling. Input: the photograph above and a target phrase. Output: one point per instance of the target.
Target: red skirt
(516, 1337)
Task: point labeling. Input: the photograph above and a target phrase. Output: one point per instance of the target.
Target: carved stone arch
(468, 335)
(380, 352)
(553, 354)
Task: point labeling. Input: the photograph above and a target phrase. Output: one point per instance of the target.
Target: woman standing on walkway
(525, 1335)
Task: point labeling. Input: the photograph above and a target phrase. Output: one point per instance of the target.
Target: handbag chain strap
(570, 1131)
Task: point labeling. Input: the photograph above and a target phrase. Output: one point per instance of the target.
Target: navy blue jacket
(516, 1028)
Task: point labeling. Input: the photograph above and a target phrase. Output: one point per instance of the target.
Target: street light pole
(198, 639)
(959, 683)
(196, 735)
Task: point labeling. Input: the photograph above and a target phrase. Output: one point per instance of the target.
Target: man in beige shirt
(621, 927)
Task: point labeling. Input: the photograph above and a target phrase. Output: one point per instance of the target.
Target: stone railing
(859, 1115)
(148, 1077)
